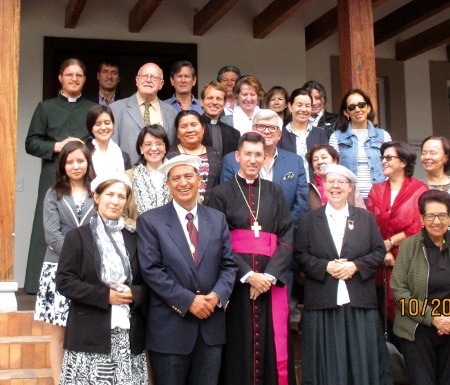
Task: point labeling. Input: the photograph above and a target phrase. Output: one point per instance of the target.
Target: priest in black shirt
(218, 134)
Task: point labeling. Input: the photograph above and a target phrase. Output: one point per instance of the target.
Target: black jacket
(78, 278)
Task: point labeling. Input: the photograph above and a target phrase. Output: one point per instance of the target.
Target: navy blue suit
(288, 172)
(168, 269)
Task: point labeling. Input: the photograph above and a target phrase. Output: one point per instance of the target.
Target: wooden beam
(210, 14)
(406, 17)
(424, 41)
(9, 80)
(275, 14)
(356, 47)
(141, 12)
(321, 28)
(74, 9)
(326, 25)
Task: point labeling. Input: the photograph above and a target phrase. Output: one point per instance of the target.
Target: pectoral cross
(256, 228)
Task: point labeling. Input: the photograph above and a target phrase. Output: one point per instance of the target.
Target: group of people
(174, 231)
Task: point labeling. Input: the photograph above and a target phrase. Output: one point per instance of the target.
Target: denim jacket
(348, 150)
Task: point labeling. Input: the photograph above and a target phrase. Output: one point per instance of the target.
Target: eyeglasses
(264, 127)
(351, 107)
(158, 145)
(333, 182)
(339, 183)
(151, 77)
(78, 76)
(389, 157)
(432, 217)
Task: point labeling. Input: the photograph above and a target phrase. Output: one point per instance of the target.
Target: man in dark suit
(280, 166)
(218, 134)
(142, 109)
(190, 274)
(108, 77)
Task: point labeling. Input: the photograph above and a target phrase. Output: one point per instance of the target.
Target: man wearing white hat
(186, 259)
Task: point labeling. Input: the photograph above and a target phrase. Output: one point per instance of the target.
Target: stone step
(26, 377)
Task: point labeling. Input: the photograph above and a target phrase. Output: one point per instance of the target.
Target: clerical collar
(211, 120)
(249, 181)
(70, 100)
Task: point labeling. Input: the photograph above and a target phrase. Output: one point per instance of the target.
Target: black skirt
(344, 346)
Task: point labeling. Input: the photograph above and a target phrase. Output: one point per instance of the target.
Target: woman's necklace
(199, 151)
(255, 226)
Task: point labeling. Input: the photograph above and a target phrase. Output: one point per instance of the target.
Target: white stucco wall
(278, 59)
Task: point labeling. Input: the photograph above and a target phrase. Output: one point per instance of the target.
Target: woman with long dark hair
(67, 205)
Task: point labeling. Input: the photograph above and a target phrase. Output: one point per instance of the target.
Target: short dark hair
(94, 112)
(184, 113)
(315, 85)
(445, 146)
(434, 196)
(178, 65)
(228, 68)
(158, 132)
(91, 117)
(343, 121)
(330, 149)
(253, 137)
(298, 92)
(108, 62)
(405, 152)
(62, 184)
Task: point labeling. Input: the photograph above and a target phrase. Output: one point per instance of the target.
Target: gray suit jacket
(129, 122)
(60, 216)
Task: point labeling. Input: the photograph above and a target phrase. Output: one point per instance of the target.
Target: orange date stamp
(415, 307)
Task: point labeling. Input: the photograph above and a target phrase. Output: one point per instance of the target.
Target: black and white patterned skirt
(119, 367)
(51, 306)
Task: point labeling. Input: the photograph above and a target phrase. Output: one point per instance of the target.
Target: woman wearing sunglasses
(394, 204)
(358, 141)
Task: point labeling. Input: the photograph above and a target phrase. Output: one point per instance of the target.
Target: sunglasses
(351, 107)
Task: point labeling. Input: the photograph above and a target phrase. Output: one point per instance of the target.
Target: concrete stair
(24, 350)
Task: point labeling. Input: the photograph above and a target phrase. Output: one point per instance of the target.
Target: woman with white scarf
(99, 273)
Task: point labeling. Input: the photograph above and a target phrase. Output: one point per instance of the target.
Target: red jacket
(403, 215)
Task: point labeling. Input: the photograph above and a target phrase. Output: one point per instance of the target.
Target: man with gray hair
(142, 109)
(280, 166)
